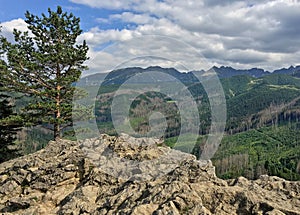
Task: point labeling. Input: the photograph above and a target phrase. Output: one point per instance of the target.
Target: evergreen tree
(8, 129)
(8, 124)
(44, 63)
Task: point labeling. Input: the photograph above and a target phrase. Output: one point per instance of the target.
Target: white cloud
(8, 27)
(245, 34)
(133, 18)
(97, 38)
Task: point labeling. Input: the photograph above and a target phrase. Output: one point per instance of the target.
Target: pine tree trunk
(57, 131)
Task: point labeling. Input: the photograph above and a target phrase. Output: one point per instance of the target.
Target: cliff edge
(125, 175)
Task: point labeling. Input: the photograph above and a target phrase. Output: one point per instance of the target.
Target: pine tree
(8, 129)
(8, 123)
(44, 63)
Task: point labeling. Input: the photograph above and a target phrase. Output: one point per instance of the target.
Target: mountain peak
(288, 71)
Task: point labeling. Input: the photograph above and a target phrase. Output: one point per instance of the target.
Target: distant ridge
(227, 72)
(291, 70)
(119, 76)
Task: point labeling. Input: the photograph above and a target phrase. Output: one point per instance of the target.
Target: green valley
(262, 134)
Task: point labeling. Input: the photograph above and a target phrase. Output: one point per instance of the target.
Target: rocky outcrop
(123, 175)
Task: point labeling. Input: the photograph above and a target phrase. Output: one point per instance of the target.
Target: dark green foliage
(282, 79)
(236, 85)
(8, 130)
(258, 99)
(268, 150)
(9, 123)
(44, 64)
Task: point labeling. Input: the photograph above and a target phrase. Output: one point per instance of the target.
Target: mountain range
(119, 76)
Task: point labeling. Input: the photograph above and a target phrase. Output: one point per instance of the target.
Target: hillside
(269, 102)
(258, 102)
(69, 178)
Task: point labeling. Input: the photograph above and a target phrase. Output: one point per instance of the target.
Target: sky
(185, 34)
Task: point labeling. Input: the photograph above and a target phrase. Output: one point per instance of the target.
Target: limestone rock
(126, 175)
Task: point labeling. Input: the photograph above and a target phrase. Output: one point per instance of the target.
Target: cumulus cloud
(244, 34)
(146, 50)
(251, 33)
(130, 17)
(8, 27)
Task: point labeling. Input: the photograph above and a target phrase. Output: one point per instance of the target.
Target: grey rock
(126, 175)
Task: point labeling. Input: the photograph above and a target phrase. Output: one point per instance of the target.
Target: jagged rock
(126, 175)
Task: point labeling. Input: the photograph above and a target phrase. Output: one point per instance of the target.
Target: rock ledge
(116, 175)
